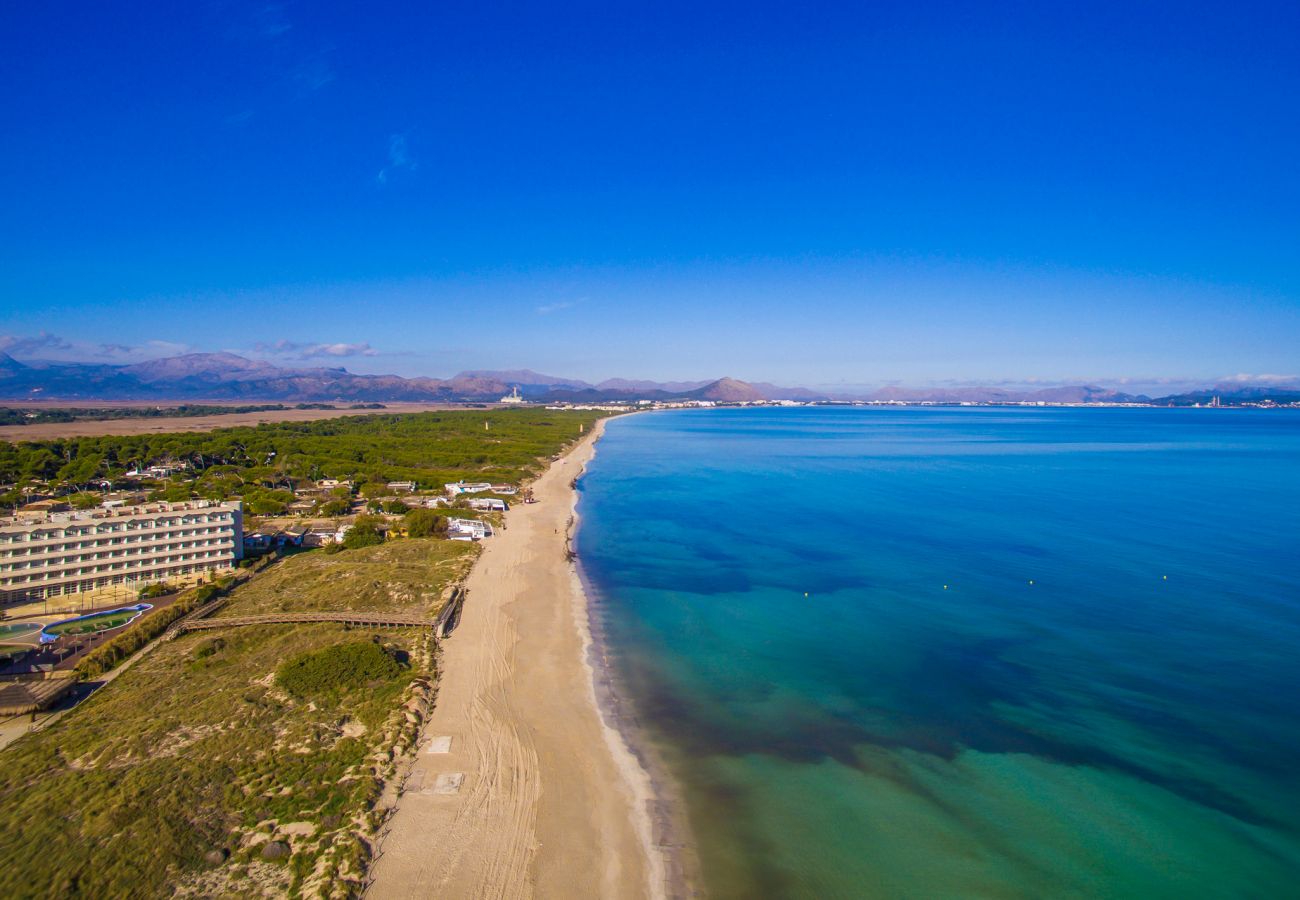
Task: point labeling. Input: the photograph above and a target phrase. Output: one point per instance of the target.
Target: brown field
(54, 430)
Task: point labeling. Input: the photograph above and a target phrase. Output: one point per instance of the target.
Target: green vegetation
(424, 523)
(105, 658)
(396, 576)
(427, 448)
(199, 749)
(335, 508)
(102, 622)
(12, 416)
(339, 667)
(365, 532)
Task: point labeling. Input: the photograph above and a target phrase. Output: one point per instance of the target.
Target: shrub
(336, 508)
(336, 668)
(424, 523)
(209, 647)
(363, 533)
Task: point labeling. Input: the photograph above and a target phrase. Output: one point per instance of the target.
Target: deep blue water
(1043, 652)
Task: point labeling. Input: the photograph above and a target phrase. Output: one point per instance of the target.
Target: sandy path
(552, 804)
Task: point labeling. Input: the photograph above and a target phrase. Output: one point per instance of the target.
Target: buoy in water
(945, 587)
(1031, 581)
(805, 593)
(1164, 577)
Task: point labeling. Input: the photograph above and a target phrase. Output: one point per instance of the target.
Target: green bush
(336, 508)
(209, 648)
(363, 533)
(337, 668)
(424, 523)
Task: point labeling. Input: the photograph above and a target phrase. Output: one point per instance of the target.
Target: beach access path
(533, 796)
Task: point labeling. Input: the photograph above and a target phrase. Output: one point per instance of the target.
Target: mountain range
(227, 376)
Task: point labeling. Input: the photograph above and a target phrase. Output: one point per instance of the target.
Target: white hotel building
(75, 552)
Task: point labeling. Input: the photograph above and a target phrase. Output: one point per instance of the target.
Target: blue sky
(848, 194)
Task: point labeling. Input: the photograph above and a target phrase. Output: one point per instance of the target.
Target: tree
(335, 508)
(364, 533)
(424, 523)
(373, 489)
(266, 506)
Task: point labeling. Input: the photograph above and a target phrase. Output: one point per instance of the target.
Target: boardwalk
(361, 619)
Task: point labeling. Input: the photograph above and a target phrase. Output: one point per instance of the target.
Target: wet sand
(552, 802)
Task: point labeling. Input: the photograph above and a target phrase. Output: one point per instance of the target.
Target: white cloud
(51, 346)
(296, 350)
(547, 308)
(31, 346)
(1243, 378)
(399, 159)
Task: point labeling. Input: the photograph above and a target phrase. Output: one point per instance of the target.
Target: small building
(468, 530)
(472, 487)
(513, 397)
(328, 484)
(488, 504)
(321, 536)
(259, 541)
(293, 536)
(407, 487)
(302, 507)
(507, 489)
(40, 510)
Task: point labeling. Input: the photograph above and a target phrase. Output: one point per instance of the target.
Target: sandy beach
(550, 801)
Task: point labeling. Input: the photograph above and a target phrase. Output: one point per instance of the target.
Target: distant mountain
(211, 367)
(10, 366)
(1234, 393)
(531, 384)
(227, 376)
(727, 390)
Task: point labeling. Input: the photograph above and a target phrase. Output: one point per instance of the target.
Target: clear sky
(841, 194)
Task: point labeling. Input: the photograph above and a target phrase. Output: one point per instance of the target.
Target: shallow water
(1043, 652)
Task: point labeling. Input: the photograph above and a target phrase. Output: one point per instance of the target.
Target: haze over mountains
(227, 376)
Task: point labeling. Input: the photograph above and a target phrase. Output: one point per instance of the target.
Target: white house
(462, 487)
(468, 530)
(488, 504)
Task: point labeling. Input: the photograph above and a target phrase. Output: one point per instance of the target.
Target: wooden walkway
(361, 619)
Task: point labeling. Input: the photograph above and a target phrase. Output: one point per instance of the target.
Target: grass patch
(407, 575)
(201, 746)
(337, 668)
(104, 622)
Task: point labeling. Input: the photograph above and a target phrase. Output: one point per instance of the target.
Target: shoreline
(520, 787)
(666, 830)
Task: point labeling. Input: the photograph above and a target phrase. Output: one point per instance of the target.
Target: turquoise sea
(947, 652)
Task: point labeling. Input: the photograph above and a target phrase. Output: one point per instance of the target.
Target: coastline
(537, 794)
(661, 817)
